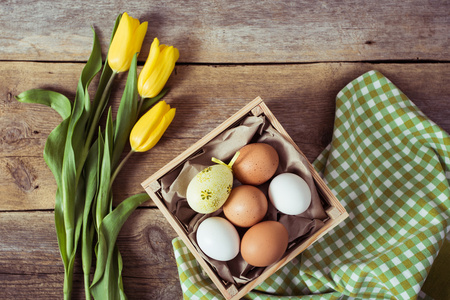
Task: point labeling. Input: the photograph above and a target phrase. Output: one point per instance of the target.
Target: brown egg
(256, 163)
(264, 243)
(246, 205)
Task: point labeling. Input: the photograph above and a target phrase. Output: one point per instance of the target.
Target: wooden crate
(335, 211)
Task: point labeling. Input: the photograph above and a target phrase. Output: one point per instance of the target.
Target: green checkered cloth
(389, 165)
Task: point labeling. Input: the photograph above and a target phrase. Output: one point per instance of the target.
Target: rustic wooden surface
(296, 55)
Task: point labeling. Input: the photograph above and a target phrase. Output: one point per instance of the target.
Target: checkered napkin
(389, 165)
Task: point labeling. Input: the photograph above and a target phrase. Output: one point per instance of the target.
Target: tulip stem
(139, 107)
(117, 170)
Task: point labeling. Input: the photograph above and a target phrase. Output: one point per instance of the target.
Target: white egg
(289, 193)
(218, 238)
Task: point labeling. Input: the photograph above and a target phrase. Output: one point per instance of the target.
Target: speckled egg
(256, 163)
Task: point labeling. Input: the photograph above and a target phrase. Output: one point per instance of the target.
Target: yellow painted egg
(210, 188)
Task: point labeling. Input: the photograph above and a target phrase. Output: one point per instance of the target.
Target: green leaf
(60, 228)
(54, 156)
(66, 155)
(92, 67)
(103, 199)
(82, 106)
(149, 102)
(68, 188)
(88, 229)
(101, 147)
(54, 150)
(79, 207)
(105, 77)
(75, 152)
(90, 171)
(81, 111)
(110, 227)
(55, 100)
(126, 114)
(103, 196)
(119, 271)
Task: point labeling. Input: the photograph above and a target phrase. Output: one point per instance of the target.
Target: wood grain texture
(31, 268)
(222, 31)
(296, 55)
(300, 96)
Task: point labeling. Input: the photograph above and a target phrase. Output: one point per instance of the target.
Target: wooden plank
(301, 96)
(30, 265)
(225, 31)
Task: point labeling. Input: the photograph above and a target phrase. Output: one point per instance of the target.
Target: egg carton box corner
(254, 123)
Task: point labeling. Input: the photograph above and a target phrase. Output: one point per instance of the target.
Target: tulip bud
(157, 69)
(149, 129)
(127, 41)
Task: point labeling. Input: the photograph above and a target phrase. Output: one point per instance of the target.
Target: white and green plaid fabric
(389, 165)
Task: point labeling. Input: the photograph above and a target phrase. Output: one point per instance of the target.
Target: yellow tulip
(157, 69)
(127, 41)
(151, 126)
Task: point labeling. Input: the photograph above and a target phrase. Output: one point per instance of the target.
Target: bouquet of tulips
(85, 157)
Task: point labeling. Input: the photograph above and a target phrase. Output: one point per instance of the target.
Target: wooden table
(296, 55)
